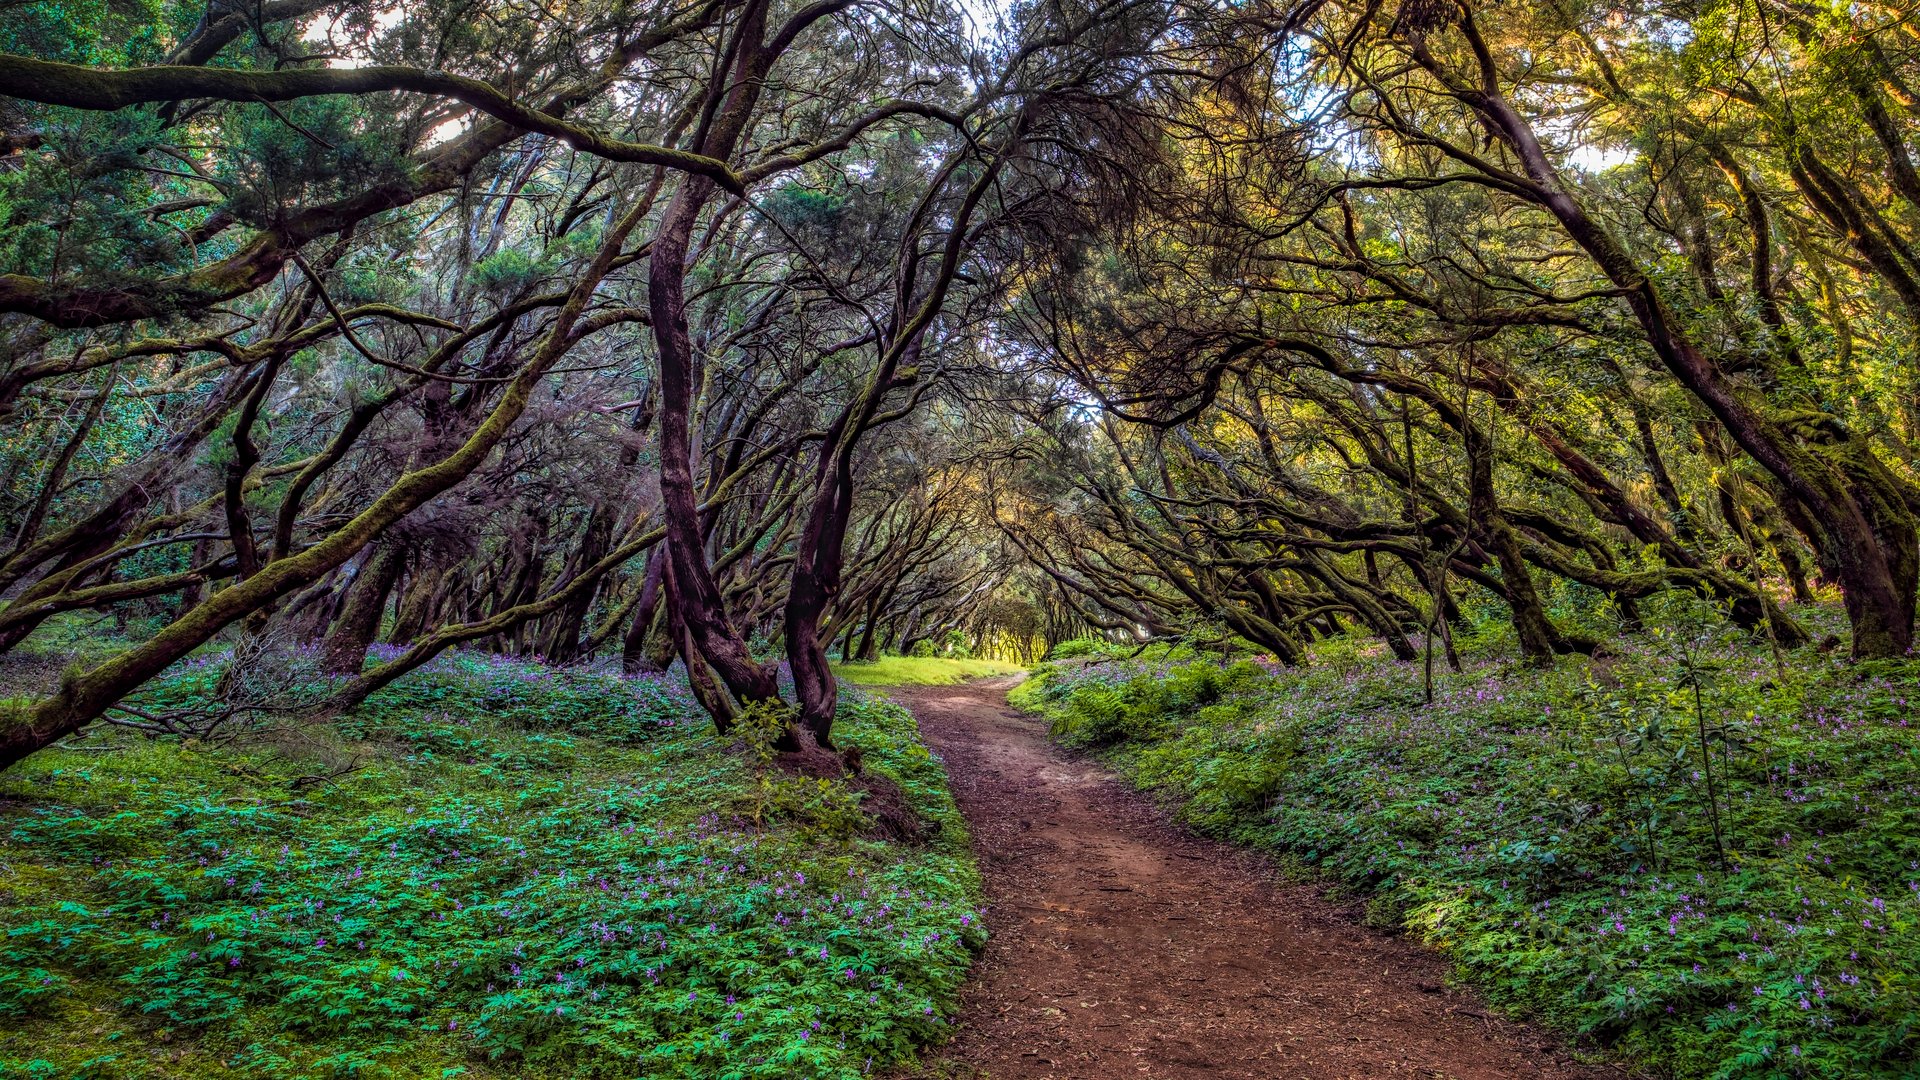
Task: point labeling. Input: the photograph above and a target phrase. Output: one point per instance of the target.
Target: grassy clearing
(921, 670)
(1728, 890)
(493, 869)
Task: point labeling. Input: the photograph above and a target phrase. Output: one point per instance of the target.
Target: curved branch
(77, 87)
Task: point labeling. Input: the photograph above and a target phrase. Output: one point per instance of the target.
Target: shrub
(1074, 647)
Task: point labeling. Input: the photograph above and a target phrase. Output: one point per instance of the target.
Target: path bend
(1125, 947)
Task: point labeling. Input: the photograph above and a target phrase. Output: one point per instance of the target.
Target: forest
(649, 539)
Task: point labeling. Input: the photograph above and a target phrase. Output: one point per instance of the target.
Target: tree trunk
(1530, 621)
(418, 602)
(706, 689)
(634, 659)
(191, 596)
(696, 597)
(345, 651)
(562, 644)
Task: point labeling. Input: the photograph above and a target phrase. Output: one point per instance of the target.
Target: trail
(1125, 947)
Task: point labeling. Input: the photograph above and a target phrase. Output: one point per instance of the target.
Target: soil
(1125, 947)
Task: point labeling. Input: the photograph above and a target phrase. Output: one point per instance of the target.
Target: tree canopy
(748, 333)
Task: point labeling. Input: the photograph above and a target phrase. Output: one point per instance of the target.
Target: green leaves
(488, 892)
(509, 270)
(1551, 832)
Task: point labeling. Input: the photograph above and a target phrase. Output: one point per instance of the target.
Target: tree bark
(696, 596)
(345, 651)
(634, 659)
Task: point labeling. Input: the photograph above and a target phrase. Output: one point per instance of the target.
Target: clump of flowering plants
(509, 870)
(1683, 852)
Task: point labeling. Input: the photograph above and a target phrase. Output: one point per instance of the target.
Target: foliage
(1555, 831)
(490, 868)
(920, 670)
(1073, 647)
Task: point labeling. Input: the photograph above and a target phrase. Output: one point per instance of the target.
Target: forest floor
(1124, 946)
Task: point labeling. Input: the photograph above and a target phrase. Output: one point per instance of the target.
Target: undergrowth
(1722, 887)
(920, 670)
(490, 869)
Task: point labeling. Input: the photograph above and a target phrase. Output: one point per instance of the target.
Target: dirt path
(1124, 947)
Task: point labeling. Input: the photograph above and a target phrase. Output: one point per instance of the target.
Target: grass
(1726, 888)
(921, 670)
(491, 869)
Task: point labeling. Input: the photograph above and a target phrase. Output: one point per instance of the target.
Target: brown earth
(1125, 947)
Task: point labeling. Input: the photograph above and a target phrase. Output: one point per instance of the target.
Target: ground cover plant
(921, 670)
(1725, 885)
(491, 868)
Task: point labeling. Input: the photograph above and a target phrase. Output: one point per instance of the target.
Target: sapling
(1692, 676)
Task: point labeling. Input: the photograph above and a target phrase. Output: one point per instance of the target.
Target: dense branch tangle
(554, 337)
(1452, 296)
(732, 332)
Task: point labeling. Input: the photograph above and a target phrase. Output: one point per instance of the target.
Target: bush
(1075, 647)
(1102, 710)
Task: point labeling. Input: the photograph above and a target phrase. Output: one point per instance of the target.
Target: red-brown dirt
(1125, 947)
